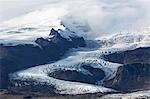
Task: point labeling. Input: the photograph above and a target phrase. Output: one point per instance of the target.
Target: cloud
(110, 16)
(14, 8)
(100, 16)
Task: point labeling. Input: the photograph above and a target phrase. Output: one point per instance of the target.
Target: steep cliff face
(139, 55)
(19, 57)
(131, 77)
(55, 46)
(134, 74)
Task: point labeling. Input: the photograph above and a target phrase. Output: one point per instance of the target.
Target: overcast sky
(101, 15)
(14, 8)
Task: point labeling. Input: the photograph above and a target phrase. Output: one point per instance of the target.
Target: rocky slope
(139, 55)
(134, 74)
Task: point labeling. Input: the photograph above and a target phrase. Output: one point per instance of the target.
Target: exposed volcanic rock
(72, 75)
(134, 74)
(97, 73)
(22, 56)
(131, 77)
(139, 55)
(56, 46)
(77, 76)
(19, 57)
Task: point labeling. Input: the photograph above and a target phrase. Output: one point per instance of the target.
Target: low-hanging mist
(100, 16)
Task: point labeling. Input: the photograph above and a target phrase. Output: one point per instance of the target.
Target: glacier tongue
(73, 62)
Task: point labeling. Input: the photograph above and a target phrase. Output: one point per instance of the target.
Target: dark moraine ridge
(22, 56)
(77, 76)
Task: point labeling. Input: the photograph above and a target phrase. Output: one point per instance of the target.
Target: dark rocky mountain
(134, 74)
(56, 46)
(139, 55)
(14, 58)
(131, 77)
(22, 56)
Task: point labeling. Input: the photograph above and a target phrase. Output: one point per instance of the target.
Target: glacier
(87, 56)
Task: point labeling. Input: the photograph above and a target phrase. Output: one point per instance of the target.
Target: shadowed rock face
(134, 74)
(139, 55)
(131, 77)
(56, 46)
(77, 76)
(72, 75)
(22, 56)
(97, 73)
(14, 58)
